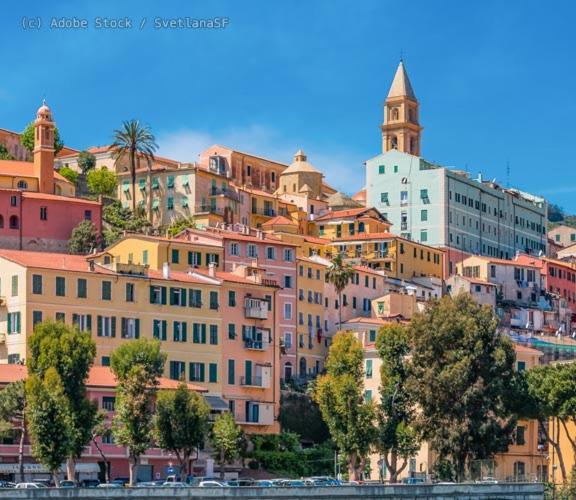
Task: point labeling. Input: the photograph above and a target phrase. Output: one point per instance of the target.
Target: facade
(482, 291)
(118, 301)
(101, 388)
(38, 209)
(443, 207)
(11, 140)
(562, 235)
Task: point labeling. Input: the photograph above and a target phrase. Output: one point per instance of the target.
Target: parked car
(293, 483)
(174, 484)
(195, 481)
(89, 483)
(110, 485)
(413, 480)
(488, 480)
(240, 482)
(68, 484)
(211, 484)
(7, 484)
(147, 484)
(47, 483)
(29, 486)
(264, 483)
(122, 481)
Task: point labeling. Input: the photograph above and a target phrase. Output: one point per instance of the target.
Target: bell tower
(44, 149)
(401, 128)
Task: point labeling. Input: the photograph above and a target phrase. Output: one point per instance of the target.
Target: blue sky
(495, 80)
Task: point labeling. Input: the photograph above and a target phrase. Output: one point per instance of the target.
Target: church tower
(44, 149)
(401, 128)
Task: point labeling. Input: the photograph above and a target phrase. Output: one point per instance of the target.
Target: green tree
(300, 414)
(339, 275)
(86, 162)
(396, 437)
(12, 417)
(137, 365)
(135, 141)
(181, 423)
(102, 182)
(463, 380)
(84, 238)
(49, 424)
(27, 139)
(4, 154)
(70, 352)
(226, 440)
(69, 174)
(339, 394)
(118, 219)
(179, 224)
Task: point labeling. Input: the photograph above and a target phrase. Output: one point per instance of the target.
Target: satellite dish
(404, 180)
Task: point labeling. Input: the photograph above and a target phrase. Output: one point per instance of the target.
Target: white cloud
(343, 169)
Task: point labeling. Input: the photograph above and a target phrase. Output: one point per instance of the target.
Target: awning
(217, 403)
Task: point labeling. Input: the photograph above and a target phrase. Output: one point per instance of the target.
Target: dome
(44, 111)
(339, 200)
(300, 164)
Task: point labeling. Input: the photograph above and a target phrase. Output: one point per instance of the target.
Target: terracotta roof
(99, 376)
(360, 195)
(526, 349)
(500, 261)
(16, 168)
(476, 281)
(367, 236)
(242, 153)
(56, 197)
(163, 239)
(300, 164)
(279, 220)
(231, 235)
(311, 261)
(337, 214)
(369, 270)
(234, 278)
(46, 260)
(319, 241)
(401, 86)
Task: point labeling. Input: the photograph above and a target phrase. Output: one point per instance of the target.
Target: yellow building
(312, 344)
(155, 251)
(338, 224)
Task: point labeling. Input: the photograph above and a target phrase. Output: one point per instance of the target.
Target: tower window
(14, 222)
(394, 142)
(43, 213)
(22, 185)
(395, 114)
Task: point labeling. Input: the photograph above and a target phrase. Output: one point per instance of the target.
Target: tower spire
(401, 128)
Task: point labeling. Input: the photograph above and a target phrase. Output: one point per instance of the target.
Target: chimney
(166, 271)
(212, 269)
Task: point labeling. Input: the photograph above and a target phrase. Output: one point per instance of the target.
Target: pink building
(278, 260)
(101, 386)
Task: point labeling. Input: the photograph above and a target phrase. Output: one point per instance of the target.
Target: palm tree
(339, 274)
(137, 141)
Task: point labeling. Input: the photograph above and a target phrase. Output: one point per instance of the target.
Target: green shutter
(183, 332)
(164, 329)
(198, 258)
(156, 328)
(137, 328)
(123, 327)
(248, 372)
(9, 323)
(89, 322)
(113, 326)
(172, 296)
(196, 333)
(183, 296)
(99, 319)
(203, 334)
(75, 318)
(202, 372)
(163, 295)
(151, 294)
(231, 374)
(213, 373)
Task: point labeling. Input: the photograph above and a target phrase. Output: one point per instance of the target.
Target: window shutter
(89, 322)
(18, 323)
(248, 371)
(137, 328)
(196, 333)
(190, 297)
(99, 320)
(163, 293)
(183, 296)
(9, 323)
(151, 294)
(113, 321)
(213, 373)
(198, 258)
(231, 374)
(172, 297)
(164, 329)
(183, 333)
(123, 327)
(156, 329)
(75, 319)
(203, 327)
(202, 374)
(189, 258)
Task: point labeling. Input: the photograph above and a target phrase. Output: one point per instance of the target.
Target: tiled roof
(220, 146)
(476, 281)
(369, 270)
(318, 241)
(99, 376)
(56, 197)
(341, 214)
(16, 168)
(526, 349)
(46, 260)
(366, 236)
(279, 220)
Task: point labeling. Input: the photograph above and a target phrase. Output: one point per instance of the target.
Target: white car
(174, 484)
(211, 484)
(29, 486)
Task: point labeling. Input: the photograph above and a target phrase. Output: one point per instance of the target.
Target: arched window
(395, 114)
(22, 185)
(394, 142)
(14, 223)
(1, 221)
(302, 367)
(288, 371)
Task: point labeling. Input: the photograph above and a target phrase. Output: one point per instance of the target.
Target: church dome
(300, 164)
(44, 111)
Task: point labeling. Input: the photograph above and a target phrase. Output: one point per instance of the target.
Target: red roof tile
(279, 220)
(337, 214)
(367, 236)
(23, 169)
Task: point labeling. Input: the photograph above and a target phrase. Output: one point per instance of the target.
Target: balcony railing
(256, 345)
(254, 381)
(254, 308)
(208, 208)
(229, 193)
(268, 212)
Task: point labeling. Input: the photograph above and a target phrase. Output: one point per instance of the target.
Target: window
(13, 359)
(287, 311)
(213, 334)
(288, 340)
(37, 284)
(60, 286)
(179, 331)
(60, 316)
(22, 185)
(423, 215)
(368, 368)
(129, 292)
(81, 288)
(160, 329)
(43, 213)
(145, 257)
(423, 235)
(105, 360)
(520, 435)
(381, 169)
(231, 331)
(36, 318)
(214, 300)
(106, 290)
(288, 255)
(213, 373)
(231, 298)
(372, 336)
(106, 326)
(368, 395)
(321, 230)
(82, 321)
(14, 224)
(195, 298)
(177, 370)
(521, 366)
(395, 169)
(108, 403)
(170, 203)
(270, 253)
(14, 324)
(424, 194)
(231, 370)
(170, 182)
(13, 201)
(157, 295)
(196, 372)
(175, 256)
(403, 197)
(287, 281)
(234, 249)
(87, 214)
(252, 251)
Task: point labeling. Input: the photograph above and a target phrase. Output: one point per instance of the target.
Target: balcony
(256, 308)
(253, 381)
(255, 345)
(228, 193)
(211, 209)
(268, 212)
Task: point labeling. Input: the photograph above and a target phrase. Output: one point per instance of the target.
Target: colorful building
(563, 235)
(38, 210)
(443, 207)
